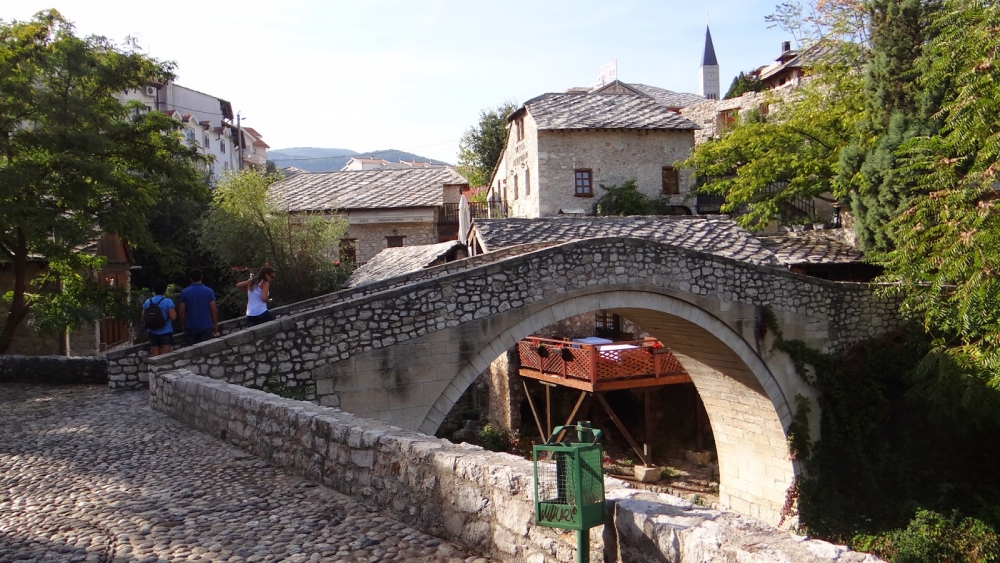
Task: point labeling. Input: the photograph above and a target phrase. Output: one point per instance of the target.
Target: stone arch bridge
(405, 351)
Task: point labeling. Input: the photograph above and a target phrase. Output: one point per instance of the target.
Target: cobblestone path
(87, 475)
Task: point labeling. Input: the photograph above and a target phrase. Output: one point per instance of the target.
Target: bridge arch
(403, 350)
(747, 407)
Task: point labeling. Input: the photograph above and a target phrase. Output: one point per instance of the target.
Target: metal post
(239, 139)
(583, 546)
(647, 446)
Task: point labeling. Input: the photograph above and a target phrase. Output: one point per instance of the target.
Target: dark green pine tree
(744, 83)
(899, 110)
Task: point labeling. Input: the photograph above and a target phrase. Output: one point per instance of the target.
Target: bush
(932, 537)
(495, 440)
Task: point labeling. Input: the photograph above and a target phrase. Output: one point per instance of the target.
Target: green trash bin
(569, 483)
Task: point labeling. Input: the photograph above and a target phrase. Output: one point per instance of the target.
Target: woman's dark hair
(159, 287)
(259, 278)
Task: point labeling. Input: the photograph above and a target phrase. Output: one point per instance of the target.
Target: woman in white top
(258, 290)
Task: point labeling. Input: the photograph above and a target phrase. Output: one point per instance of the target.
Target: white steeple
(708, 72)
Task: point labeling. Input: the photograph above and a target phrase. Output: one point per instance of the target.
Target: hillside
(313, 159)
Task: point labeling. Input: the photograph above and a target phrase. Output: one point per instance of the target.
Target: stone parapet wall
(127, 366)
(825, 314)
(481, 499)
(53, 369)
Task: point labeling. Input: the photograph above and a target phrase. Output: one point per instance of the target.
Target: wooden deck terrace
(596, 368)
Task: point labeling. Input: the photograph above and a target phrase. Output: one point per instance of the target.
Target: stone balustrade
(481, 499)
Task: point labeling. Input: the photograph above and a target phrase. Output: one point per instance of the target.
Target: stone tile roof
(710, 234)
(393, 262)
(830, 246)
(365, 189)
(668, 98)
(603, 111)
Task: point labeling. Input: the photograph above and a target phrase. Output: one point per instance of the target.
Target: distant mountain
(313, 159)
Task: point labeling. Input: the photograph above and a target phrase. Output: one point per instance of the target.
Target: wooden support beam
(622, 429)
(548, 408)
(569, 420)
(538, 422)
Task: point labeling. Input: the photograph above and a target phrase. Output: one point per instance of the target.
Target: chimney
(786, 46)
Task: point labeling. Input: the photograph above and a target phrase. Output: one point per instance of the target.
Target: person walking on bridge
(258, 290)
(198, 312)
(158, 314)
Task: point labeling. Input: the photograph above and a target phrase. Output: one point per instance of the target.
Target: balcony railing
(597, 363)
(477, 210)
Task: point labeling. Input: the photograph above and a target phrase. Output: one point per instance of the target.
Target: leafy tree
(944, 258)
(246, 228)
(74, 160)
(767, 161)
(744, 83)
(481, 146)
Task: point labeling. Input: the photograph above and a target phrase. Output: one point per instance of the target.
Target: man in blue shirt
(161, 339)
(199, 314)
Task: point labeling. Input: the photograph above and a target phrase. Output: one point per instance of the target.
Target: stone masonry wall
(52, 369)
(305, 342)
(481, 499)
(614, 157)
(371, 238)
(127, 369)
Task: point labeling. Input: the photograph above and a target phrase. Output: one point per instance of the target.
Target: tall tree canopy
(74, 160)
(899, 127)
(481, 145)
(246, 228)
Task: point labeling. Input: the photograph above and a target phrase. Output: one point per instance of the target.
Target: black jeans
(259, 319)
(198, 335)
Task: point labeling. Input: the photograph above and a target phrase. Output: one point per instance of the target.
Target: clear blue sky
(413, 75)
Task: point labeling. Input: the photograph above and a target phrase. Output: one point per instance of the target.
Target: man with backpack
(157, 315)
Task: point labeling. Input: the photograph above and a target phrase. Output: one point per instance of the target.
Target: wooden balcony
(600, 367)
(477, 210)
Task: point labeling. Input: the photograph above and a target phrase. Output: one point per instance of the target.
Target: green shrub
(932, 537)
(495, 440)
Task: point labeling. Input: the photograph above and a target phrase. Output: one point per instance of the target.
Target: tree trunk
(18, 307)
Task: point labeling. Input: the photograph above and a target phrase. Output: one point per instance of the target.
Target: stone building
(383, 208)
(561, 148)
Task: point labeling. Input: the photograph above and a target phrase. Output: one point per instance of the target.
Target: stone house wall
(712, 115)
(371, 238)
(544, 163)
(614, 157)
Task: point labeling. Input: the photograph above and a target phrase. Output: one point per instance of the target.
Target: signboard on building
(607, 73)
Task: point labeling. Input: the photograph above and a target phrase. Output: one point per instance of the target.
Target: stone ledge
(58, 370)
(480, 499)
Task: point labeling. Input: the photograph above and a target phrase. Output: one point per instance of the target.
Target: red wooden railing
(595, 362)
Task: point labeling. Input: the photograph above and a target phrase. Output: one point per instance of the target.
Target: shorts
(198, 335)
(161, 339)
(259, 319)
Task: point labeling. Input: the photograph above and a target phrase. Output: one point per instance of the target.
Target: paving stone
(90, 475)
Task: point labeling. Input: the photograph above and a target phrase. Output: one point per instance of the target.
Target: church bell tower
(708, 72)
